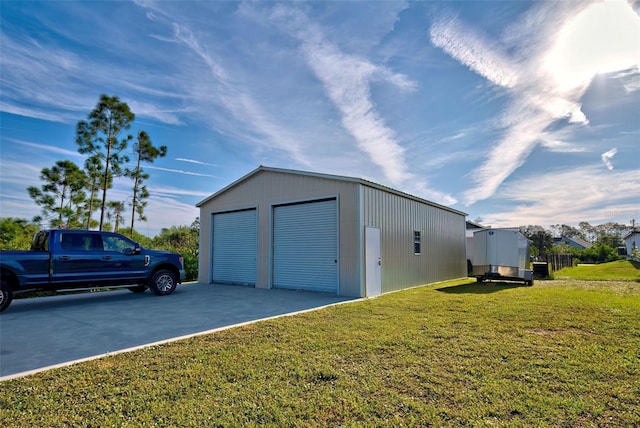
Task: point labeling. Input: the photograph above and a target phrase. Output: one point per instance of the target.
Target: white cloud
(474, 51)
(175, 191)
(504, 158)
(544, 87)
(346, 79)
(551, 143)
(162, 206)
(151, 110)
(197, 162)
(607, 157)
(18, 173)
(630, 79)
(46, 148)
(225, 99)
(582, 194)
(49, 79)
(183, 34)
(178, 171)
(166, 212)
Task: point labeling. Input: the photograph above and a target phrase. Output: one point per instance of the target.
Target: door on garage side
(235, 247)
(305, 246)
(373, 261)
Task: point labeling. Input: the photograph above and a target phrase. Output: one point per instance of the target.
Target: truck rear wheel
(163, 282)
(6, 295)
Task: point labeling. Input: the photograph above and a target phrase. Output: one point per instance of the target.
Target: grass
(623, 270)
(560, 353)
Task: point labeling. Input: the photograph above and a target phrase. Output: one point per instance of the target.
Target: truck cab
(84, 259)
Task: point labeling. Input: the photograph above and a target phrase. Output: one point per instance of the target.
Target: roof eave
(224, 189)
(360, 181)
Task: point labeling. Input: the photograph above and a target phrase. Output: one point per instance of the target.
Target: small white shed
(501, 254)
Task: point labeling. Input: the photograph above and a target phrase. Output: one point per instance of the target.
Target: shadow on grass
(480, 288)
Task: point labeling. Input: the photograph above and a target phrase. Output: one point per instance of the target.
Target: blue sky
(515, 112)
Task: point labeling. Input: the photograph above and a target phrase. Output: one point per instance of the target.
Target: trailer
(500, 255)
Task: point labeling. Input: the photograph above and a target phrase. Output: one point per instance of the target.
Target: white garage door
(305, 250)
(235, 247)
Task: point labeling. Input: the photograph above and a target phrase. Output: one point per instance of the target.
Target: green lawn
(560, 353)
(620, 270)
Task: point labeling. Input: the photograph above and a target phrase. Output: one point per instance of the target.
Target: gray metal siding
(235, 247)
(305, 248)
(442, 235)
(267, 189)
(358, 205)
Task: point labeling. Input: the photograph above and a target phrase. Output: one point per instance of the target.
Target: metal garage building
(278, 228)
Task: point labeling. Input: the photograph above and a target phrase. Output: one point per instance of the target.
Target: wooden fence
(559, 261)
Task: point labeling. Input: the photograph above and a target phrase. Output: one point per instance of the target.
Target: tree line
(70, 194)
(16, 234)
(605, 239)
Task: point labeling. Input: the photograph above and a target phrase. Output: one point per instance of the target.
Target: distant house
(632, 241)
(574, 242)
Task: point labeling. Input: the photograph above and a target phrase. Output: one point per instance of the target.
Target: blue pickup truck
(84, 259)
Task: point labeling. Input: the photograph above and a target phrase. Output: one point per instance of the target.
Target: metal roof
(342, 178)
(633, 231)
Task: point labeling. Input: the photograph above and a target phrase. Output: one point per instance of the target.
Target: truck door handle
(106, 258)
(64, 258)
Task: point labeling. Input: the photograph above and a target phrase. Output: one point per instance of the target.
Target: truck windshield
(40, 241)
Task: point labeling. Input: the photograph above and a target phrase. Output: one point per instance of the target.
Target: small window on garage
(417, 242)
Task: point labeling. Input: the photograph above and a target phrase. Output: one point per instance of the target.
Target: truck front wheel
(6, 295)
(163, 282)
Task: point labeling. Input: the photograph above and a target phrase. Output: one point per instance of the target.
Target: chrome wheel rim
(165, 283)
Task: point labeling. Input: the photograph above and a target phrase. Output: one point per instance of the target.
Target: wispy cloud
(178, 171)
(544, 89)
(176, 191)
(163, 206)
(346, 79)
(630, 79)
(183, 34)
(46, 148)
(211, 87)
(197, 162)
(607, 157)
(168, 212)
(580, 194)
(474, 51)
(554, 145)
(28, 65)
(457, 136)
(20, 173)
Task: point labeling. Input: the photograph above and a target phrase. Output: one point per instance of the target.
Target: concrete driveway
(40, 333)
